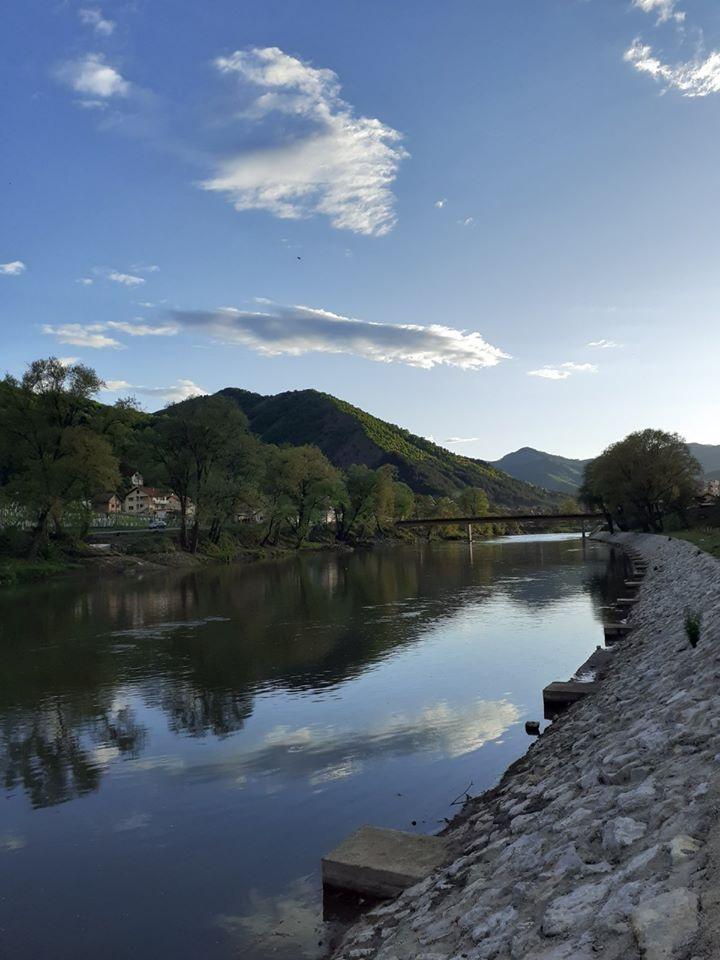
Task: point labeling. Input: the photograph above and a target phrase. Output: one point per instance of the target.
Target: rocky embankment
(603, 841)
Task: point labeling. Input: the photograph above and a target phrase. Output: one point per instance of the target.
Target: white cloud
(127, 279)
(150, 268)
(563, 370)
(440, 203)
(467, 222)
(112, 386)
(12, 269)
(454, 440)
(665, 9)
(329, 161)
(580, 367)
(92, 76)
(604, 344)
(82, 336)
(549, 373)
(84, 281)
(180, 390)
(296, 330)
(142, 329)
(93, 17)
(695, 78)
(68, 361)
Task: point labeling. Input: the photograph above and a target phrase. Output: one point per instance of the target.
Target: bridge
(500, 518)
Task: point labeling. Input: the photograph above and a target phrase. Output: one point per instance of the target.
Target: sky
(494, 224)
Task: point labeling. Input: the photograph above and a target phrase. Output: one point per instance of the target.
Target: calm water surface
(178, 752)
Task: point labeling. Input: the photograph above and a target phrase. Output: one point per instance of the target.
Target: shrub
(693, 621)
(224, 551)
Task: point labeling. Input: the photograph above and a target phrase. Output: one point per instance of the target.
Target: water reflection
(218, 731)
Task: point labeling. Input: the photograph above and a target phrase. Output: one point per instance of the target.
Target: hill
(348, 435)
(564, 474)
(709, 456)
(547, 470)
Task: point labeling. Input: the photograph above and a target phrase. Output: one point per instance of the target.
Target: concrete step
(382, 863)
(558, 696)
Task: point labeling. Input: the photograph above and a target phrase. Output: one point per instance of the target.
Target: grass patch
(14, 572)
(708, 539)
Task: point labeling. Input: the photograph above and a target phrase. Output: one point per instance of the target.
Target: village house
(142, 501)
(107, 503)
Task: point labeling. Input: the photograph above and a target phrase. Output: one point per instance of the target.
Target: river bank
(602, 841)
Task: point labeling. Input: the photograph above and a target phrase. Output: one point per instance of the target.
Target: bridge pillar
(583, 529)
(469, 533)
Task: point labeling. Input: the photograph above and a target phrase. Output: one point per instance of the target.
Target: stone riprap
(603, 840)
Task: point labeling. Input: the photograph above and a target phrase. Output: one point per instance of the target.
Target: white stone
(573, 909)
(665, 923)
(621, 832)
(682, 847)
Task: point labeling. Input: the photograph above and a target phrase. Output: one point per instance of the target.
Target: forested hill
(544, 469)
(348, 435)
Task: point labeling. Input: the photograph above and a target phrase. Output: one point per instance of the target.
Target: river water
(177, 752)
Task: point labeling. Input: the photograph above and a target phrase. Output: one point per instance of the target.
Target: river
(178, 751)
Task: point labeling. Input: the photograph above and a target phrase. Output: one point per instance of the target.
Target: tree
(353, 499)
(643, 477)
(51, 456)
(473, 502)
(304, 483)
(404, 500)
(383, 497)
(193, 440)
(591, 495)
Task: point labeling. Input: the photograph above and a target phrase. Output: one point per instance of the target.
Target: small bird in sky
(299, 258)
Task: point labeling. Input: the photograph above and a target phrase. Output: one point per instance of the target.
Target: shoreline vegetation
(603, 840)
(71, 467)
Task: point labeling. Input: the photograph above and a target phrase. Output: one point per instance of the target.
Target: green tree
(49, 452)
(303, 486)
(353, 500)
(195, 441)
(642, 478)
(473, 502)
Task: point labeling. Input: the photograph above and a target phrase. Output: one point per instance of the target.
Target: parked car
(157, 524)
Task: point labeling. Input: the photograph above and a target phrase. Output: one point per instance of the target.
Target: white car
(157, 525)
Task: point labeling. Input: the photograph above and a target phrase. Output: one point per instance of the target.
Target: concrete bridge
(468, 522)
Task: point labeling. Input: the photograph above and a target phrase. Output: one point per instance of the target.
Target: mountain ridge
(564, 474)
(347, 434)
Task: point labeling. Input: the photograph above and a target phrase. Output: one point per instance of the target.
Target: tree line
(59, 448)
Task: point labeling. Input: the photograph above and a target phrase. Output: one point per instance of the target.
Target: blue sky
(430, 210)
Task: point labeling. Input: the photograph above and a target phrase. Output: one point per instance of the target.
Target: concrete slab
(614, 633)
(558, 696)
(382, 863)
(595, 667)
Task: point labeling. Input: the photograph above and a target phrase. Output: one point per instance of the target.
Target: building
(107, 503)
(144, 501)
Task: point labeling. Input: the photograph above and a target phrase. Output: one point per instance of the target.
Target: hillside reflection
(201, 646)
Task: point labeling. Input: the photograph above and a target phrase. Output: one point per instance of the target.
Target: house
(107, 503)
(150, 502)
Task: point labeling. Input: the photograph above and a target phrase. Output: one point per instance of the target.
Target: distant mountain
(565, 475)
(348, 435)
(709, 456)
(547, 470)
